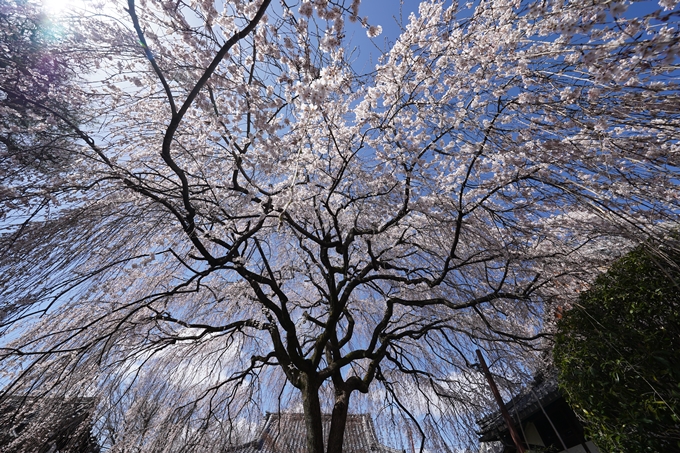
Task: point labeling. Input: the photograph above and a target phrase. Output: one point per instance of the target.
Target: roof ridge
(285, 432)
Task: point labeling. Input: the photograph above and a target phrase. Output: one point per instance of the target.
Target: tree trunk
(338, 422)
(312, 414)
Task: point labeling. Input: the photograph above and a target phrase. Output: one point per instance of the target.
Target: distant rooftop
(521, 406)
(285, 433)
(45, 425)
(544, 418)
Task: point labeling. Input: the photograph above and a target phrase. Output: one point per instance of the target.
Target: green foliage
(618, 352)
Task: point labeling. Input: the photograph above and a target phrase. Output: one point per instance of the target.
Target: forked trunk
(314, 419)
(312, 415)
(338, 422)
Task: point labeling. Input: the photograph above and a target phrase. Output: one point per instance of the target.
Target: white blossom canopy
(245, 220)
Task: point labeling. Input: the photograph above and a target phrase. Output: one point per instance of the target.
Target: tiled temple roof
(41, 425)
(285, 433)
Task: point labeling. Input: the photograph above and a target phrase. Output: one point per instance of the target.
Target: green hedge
(618, 352)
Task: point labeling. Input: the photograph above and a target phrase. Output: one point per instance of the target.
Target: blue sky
(390, 15)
